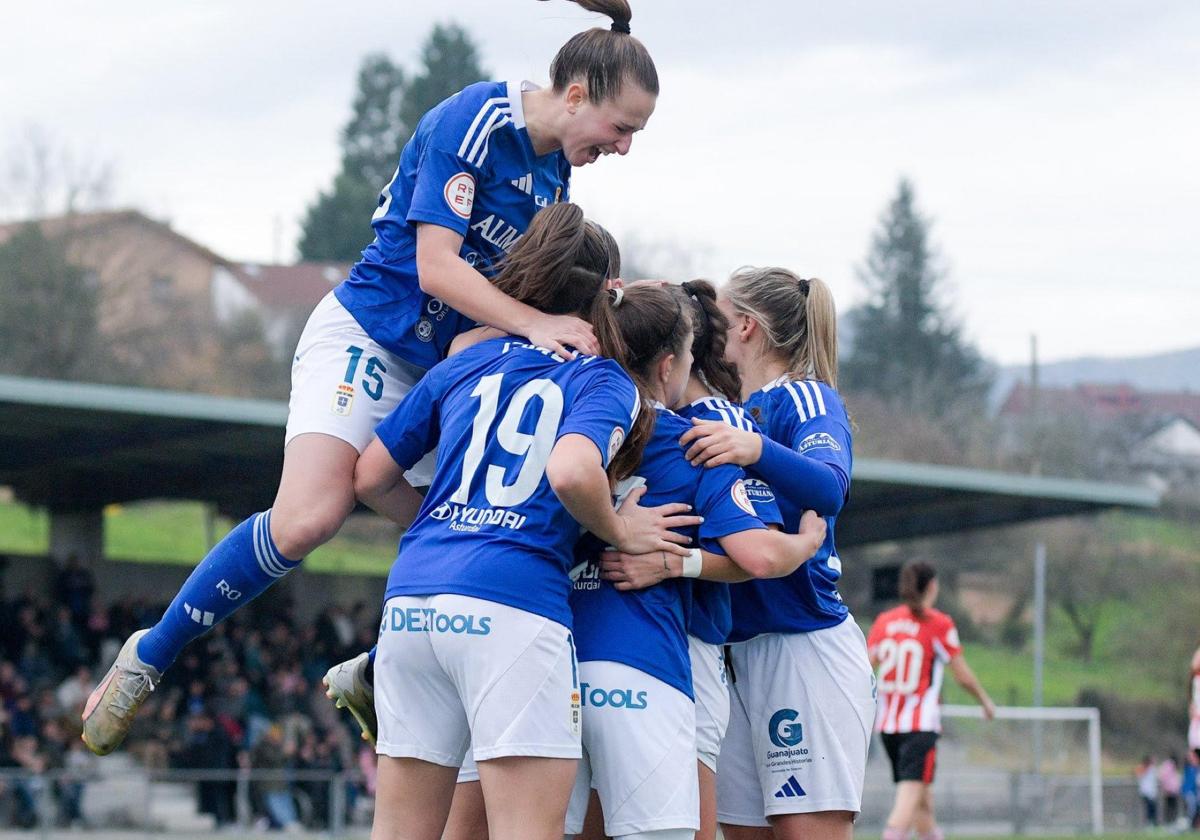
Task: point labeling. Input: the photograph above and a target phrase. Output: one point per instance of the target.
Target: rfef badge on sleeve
(343, 400)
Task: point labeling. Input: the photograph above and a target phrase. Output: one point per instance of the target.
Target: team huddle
(614, 611)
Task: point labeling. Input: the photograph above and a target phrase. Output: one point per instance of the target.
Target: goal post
(967, 720)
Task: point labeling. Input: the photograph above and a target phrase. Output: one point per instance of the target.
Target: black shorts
(913, 755)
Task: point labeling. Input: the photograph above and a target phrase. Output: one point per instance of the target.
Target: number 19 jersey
(912, 653)
(491, 527)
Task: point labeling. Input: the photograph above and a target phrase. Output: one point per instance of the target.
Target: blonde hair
(798, 318)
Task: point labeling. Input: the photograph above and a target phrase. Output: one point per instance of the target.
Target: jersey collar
(780, 381)
(514, 100)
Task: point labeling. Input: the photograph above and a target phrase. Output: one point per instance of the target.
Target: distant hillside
(1175, 371)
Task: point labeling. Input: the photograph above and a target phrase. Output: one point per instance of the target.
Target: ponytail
(797, 316)
(709, 327)
(604, 320)
(915, 578)
(560, 264)
(604, 58)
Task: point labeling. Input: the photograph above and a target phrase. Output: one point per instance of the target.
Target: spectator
(274, 753)
(1147, 782)
(261, 669)
(73, 692)
(1189, 789)
(1170, 782)
(207, 747)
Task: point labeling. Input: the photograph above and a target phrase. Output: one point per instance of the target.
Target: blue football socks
(237, 570)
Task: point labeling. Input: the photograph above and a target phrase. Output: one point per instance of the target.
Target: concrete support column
(78, 533)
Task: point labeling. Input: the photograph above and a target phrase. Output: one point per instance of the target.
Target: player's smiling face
(606, 127)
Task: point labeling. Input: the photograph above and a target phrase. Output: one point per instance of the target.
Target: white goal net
(1028, 771)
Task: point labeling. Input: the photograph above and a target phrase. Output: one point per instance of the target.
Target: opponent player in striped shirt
(478, 167)
(912, 645)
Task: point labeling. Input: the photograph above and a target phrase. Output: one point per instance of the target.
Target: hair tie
(621, 26)
(804, 284)
(618, 296)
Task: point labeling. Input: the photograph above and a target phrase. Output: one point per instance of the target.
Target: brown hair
(797, 316)
(604, 58)
(653, 323)
(560, 266)
(915, 578)
(709, 326)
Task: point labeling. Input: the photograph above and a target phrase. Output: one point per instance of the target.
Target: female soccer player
(911, 646)
(474, 646)
(802, 693)
(478, 167)
(639, 730)
(712, 381)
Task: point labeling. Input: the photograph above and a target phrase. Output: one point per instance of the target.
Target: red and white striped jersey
(912, 654)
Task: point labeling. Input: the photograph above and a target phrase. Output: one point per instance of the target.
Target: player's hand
(711, 443)
(636, 571)
(648, 529)
(989, 708)
(555, 332)
(813, 529)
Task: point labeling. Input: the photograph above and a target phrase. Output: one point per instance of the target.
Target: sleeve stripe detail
(805, 388)
(791, 389)
(816, 389)
(487, 136)
(731, 414)
(496, 103)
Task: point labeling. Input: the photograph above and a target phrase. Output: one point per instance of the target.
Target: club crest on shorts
(343, 400)
(740, 497)
(460, 194)
(575, 714)
(424, 329)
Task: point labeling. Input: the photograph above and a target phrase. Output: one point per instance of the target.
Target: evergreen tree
(387, 108)
(906, 348)
(449, 62)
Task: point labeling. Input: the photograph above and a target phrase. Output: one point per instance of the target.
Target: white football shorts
(711, 688)
(801, 710)
(454, 672)
(639, 737)
(344, 383)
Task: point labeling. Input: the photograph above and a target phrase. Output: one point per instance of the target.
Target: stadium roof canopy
(71, 446)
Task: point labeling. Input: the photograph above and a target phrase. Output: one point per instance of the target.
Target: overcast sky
(1054, 144)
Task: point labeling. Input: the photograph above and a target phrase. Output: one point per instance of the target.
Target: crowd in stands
(247, 695)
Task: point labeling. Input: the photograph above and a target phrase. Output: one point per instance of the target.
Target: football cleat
(346, 685)
(111, 707)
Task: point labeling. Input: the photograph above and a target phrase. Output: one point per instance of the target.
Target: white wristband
(693, 564)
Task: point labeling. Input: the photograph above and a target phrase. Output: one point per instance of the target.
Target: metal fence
(137, 802)
(141, 802)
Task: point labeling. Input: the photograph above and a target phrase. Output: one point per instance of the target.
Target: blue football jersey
(490, 526)
(469, 167)
(711, 617)
(808, 417)
(647, 629)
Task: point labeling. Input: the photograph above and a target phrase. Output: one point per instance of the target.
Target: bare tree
(41, 176)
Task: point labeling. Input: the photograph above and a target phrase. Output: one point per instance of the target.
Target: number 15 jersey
(912, 653)
(490, 526)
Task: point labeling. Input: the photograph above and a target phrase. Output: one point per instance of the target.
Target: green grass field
(174, 532)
